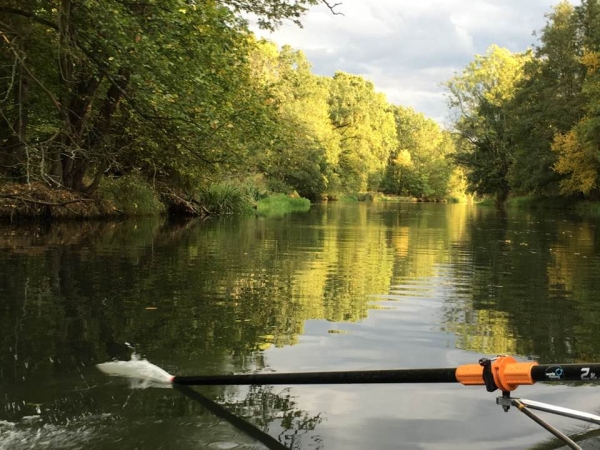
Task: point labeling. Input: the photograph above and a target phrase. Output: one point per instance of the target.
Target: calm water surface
(343, 287)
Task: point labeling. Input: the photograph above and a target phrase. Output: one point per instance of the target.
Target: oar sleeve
(505, 371)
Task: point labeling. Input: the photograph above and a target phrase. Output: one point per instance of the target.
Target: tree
(305, 149)
(271, 13)
(420, 165)
(479, 97)
(365, 123)
(162, 87)
(578, 158)
(575, 143)
(548, 101)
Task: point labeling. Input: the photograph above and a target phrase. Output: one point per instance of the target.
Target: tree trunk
(13, 157)
(97, 138)
(75, 163)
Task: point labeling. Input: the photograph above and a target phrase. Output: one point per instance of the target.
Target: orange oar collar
(507, 373)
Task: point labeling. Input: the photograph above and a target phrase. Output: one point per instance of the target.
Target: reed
(225, 198)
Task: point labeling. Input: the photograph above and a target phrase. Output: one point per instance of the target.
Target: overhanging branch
(40, 202)
(29, 15)
(332, 7)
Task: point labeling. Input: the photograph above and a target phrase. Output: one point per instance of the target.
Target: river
(342, 287)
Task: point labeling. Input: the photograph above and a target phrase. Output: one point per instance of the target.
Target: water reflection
(533, 282)
(342, 287)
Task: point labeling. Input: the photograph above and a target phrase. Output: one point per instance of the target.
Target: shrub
(255, 187)
(486, 202)
(275, 185)
(131, 195)
(349, 198)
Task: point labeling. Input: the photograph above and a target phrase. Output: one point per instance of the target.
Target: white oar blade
(138, 369)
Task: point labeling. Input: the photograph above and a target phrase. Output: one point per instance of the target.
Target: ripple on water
(91, 432)
(29, 434)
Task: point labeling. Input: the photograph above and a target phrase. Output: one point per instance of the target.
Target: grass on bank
(225, 198)
(247, 198)
(530, 201)
(280, 204)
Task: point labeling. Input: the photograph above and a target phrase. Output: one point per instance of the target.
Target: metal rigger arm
(506, 374)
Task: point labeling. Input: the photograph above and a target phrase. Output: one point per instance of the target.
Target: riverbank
(37, 200)
(565, 203)
(134, 198)
(575, 205)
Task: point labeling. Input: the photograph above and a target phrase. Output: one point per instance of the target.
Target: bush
(365, 197)
(486, 202)
(255, 188)
(371, 196)
(349, 198)
(131, 195)
(275, 185)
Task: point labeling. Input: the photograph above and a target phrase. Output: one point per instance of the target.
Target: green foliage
(548, 102)
(458, 187)
(131, 195)
(165, 88)
(365, 124)
(255, 187)
(529, 122)
(537, 202)
(304, 149)
(366, 197)
(371, 197)
(486, 202)
(480, 98)
(182, 94)
(276, 185)
(421, 165)
(348, 198)
(580, 206)
(280, 204)
(224, 198)
(578, 160)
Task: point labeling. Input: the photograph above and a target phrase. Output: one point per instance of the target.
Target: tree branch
(29, 15)
(39, 202)
(332, 8)
(33, 77)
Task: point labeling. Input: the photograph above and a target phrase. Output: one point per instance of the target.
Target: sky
(409, 48)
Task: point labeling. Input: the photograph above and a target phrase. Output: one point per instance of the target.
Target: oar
(504, 373)
(140, 369)
(267, 440)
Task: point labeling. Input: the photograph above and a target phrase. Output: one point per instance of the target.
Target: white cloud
(409, 48)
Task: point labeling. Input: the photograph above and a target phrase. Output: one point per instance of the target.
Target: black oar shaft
(470, 374)
(353, 377)
(270, 442)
